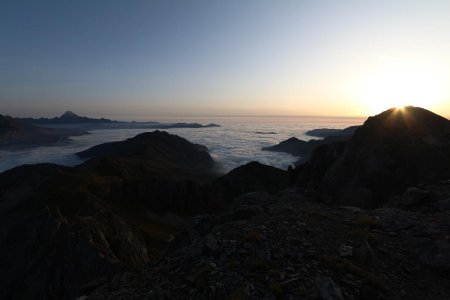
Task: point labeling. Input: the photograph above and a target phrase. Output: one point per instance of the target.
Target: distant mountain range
(72, 120)
(14, 134)
(66, 118)
(30, 132)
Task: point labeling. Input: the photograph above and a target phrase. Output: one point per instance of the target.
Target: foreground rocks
(57, 235)
(288, 247)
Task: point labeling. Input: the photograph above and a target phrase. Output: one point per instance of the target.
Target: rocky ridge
(389, 153)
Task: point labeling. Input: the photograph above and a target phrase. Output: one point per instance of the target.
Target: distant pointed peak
(69, 114)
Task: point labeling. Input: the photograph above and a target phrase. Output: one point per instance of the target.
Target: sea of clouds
(231, 145)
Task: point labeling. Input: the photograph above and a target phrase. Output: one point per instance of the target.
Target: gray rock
(211, 245)
(345, 251)
(328, 289)
(365, 255)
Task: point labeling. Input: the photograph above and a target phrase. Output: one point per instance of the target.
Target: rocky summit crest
(69, 115)
(390, 152)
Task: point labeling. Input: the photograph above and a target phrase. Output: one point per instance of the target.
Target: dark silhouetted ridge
(303, 149)
(390, 152)
(157, 147)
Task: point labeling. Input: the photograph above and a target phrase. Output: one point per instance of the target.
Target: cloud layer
(230, 145)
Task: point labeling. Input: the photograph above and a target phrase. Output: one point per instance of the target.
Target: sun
(397, 84)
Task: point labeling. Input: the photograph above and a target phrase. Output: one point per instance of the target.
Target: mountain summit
(394, 150)
(69, 115)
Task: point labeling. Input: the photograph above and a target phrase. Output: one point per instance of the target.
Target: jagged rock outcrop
(394, 150)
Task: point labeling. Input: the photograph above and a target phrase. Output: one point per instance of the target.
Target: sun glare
(398, 84)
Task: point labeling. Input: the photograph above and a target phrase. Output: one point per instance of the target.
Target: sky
(139, 59)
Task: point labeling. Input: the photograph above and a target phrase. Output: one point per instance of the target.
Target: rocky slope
(58, 233)
(286, 246)
(65, 230)
(14, 134)
(390, 152)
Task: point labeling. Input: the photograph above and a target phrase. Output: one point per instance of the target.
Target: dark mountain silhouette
(72, 120)
(14, 134)
(254, 176)
(390, 152)
(66, 118)
(301, 148)
(157, 148)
